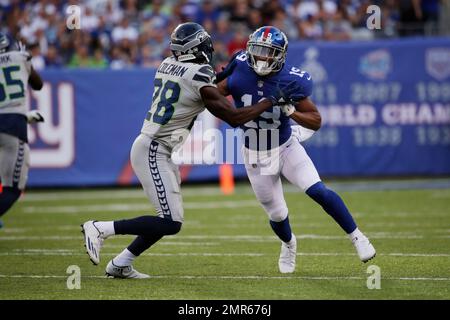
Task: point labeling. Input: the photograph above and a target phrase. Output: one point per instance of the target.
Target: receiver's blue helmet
(266, 50)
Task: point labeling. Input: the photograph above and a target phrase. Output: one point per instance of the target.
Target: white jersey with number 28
(176, 100)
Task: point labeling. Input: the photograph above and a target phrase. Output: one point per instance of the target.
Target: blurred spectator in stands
(119, 59)
(52, 58)
(188, 9)
(240, 12)
(255, 20)
(156, 14)
(323, 9)
(131, 11)
(390, 17)
(147, 59)
(239, 40)
(223, 32)
(281, 21)
(113, 14)
(207, 12)
(410, 18)
(430, 11)
(338, 29)
(358, 17)
(310, 28)
(269, 10)
(90, 21)
(38, 60)
(80, 58)
(98, 60)
(220, 56)
(124, 32)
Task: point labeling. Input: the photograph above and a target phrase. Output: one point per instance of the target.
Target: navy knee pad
(8, 197)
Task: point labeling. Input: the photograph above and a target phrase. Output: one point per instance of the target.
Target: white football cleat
(93, 241)
(364, 248)
(286, 263)
(124, 272)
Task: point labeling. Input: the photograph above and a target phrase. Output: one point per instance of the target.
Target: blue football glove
(287, 94)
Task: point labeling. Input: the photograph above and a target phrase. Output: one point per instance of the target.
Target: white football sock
(356, 234)
(125, 258)
(292, 241)
(106, 228)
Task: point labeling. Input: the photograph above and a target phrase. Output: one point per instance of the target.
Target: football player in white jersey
(16, 73)
(248, 76)
(184, 86)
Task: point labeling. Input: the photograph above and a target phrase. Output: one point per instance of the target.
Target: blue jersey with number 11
(272, 126)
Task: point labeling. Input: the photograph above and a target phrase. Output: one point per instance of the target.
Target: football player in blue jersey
(271, 150)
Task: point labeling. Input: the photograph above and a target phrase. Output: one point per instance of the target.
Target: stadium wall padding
(385, 107)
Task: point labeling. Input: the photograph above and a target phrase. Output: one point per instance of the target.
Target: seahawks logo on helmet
(7, 44)
(190, 42)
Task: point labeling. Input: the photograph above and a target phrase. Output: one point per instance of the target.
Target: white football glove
(288, 109)
(23, 51)
(34, 116)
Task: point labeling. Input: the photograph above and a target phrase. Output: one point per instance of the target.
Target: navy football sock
(150, 226)
(333, 205)
(142, 243)
(282, 229)
(8, 197)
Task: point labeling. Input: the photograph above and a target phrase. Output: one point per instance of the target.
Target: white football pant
(264, 170)
(159, 176)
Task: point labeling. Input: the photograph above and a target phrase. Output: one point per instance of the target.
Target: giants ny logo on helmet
(266, 50)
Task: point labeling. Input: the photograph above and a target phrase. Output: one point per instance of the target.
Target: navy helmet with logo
(266, 50)
(7, 43)
(190, 42)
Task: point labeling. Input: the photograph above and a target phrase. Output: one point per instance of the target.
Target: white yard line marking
(218, 277)
(250, 238)
(122, 194)
(121, 207)
(64, 252)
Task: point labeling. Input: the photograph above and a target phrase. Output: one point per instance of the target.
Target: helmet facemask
(265, 59)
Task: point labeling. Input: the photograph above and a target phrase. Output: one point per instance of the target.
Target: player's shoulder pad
(20, 56)
(303, 78)
(229, 68)
(204, 73)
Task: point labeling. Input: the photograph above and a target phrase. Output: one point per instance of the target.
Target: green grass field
(226, 249)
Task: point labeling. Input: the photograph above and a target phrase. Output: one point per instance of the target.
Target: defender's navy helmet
(190, 42)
